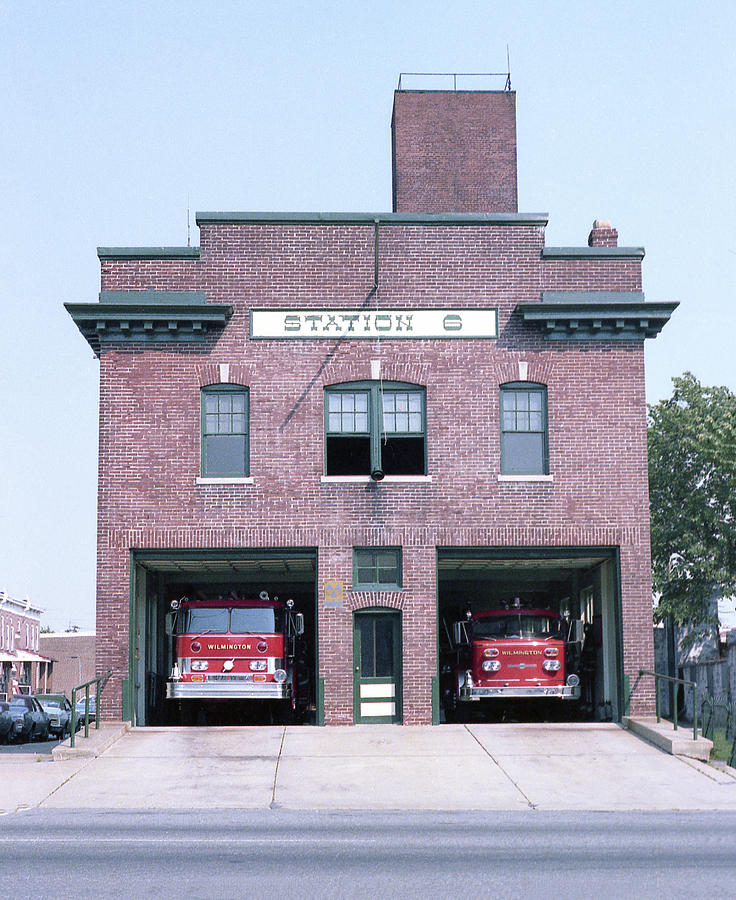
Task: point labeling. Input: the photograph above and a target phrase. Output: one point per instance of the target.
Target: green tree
(692, 496)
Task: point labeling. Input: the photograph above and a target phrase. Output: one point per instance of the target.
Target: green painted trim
(105, 253)
(597, 298)
(623, 693)
(597, 321)
(145, 299)
(627, 695)
(315, 218)
(516, 552)
(435, 700)
(397, 619)
(128, 323)
(375, 415)
(320, 702)
(204, 465)
(129, 682)
(366, 586)
(593, 253)
(525, 387)
(127, 702)
(240, 553)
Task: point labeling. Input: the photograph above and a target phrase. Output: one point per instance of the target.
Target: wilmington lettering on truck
(511, 652)
(235, 648)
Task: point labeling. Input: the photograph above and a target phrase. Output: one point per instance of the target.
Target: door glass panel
(367, 647)
(376, 646)
(384, 632)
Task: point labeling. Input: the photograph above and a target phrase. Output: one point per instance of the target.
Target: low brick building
(72, 659)
(402, 414)
(23, 669)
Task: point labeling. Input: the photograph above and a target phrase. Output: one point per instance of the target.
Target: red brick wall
(454, 151)
(150, 439)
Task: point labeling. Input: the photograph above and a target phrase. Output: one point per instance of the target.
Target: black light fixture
(377, 474)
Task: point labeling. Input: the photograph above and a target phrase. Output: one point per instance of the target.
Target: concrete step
(663, 735)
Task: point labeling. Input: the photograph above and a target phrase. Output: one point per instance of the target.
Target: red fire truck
(512, 652)
(233, 648)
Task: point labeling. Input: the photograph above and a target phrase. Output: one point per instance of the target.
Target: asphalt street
(263, 854)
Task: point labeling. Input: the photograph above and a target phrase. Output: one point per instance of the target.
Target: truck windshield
(517, 625)
(205, 619)
(247, 621)
(209, 620)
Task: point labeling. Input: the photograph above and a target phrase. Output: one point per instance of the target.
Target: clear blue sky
(114, 114)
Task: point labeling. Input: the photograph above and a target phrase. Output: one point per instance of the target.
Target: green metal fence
(719, 715)
(99, 684)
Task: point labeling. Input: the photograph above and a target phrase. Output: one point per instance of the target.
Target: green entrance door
(377, 666)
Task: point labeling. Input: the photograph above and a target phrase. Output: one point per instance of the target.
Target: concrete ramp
(558, 766)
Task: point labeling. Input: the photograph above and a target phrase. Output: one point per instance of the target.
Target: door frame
(396, 617)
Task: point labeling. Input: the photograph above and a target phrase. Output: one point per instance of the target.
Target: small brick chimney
(454, 151)
(603, 234)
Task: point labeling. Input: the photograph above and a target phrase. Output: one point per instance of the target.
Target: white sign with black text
(373, 323)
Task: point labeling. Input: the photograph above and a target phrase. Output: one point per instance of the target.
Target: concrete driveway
(486, 767)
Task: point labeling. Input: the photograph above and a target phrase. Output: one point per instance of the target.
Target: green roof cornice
(127, 322)
(304, 218)
(596, 315)
(154, 298)
(593, 253)
(148, 252)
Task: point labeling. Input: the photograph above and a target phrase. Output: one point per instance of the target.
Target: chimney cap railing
(454, 76)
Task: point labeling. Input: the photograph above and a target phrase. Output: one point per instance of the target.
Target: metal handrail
(675, 682)
(99, 688)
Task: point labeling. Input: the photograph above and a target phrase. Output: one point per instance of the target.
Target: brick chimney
(603, 234)
(454, 151)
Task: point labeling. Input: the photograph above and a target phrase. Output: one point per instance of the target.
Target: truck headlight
(279, 676)
(199, 665)
(258, 665)
(491, 665)
(573, 680)
(551, 665)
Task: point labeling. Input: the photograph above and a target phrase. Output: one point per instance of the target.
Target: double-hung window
(375, 428)
(225, 440)
(524, 429)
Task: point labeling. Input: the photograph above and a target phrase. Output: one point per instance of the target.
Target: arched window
(225, 431)
(524, 429)
(375, 427)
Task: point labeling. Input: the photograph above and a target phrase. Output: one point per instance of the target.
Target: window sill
(366, 479)
(539, 478)
(226, 480)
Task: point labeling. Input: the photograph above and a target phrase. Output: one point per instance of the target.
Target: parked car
(92, 709)
(59, 711)
(6, 721)
(30, 722)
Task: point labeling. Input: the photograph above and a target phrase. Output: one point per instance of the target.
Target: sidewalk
(592, 766)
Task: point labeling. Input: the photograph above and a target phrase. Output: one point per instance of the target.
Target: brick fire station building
(390, 418)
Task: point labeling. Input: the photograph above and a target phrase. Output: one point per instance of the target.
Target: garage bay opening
(529, 634)
(224, 638)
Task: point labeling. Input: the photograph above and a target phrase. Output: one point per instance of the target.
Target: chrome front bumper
(562, 692)
(227, 690)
